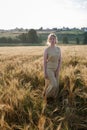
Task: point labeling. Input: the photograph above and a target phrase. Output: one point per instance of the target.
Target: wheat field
(22, 84)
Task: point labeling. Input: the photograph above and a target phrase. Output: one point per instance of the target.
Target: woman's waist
(52, 65)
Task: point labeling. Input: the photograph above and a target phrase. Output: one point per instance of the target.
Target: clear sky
(43, 13)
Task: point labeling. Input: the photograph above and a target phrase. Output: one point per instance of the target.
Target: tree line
(30, 37)
(33, 37)
(77, 40)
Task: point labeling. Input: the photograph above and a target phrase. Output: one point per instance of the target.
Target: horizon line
(44, 28)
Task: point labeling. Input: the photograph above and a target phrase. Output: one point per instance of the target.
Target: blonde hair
(48, 39)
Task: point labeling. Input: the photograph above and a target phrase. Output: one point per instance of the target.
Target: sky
(43, 13)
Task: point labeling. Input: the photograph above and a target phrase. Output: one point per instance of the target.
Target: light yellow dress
(52, 83)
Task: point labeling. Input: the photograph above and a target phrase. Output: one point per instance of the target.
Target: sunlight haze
(43, 13)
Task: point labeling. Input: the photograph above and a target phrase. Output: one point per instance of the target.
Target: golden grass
(22, 84)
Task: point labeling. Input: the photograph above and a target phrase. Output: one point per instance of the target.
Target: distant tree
(77, 40)
(32, 36)
(85, 38)
(23, 37)
(9, 40)
(54, 29)
(41, 28)
(40, 38)
(65, 39)
(3, 40)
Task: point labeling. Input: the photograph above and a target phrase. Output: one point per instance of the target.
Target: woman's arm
(45, 63)
(59, 65)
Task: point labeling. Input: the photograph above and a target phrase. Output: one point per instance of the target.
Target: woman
(52, 61)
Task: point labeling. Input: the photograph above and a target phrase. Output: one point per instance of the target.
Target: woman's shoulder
(58, 48)
(46, 49)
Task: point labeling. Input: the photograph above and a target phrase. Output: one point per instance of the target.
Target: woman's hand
(45, 75)
(45, 64)
(56, 73)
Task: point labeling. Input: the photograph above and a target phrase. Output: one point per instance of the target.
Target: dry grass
(22, 83)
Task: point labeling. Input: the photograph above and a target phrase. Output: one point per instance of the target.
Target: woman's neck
(52, 46)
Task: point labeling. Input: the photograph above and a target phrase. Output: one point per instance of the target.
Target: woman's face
(52, 40)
